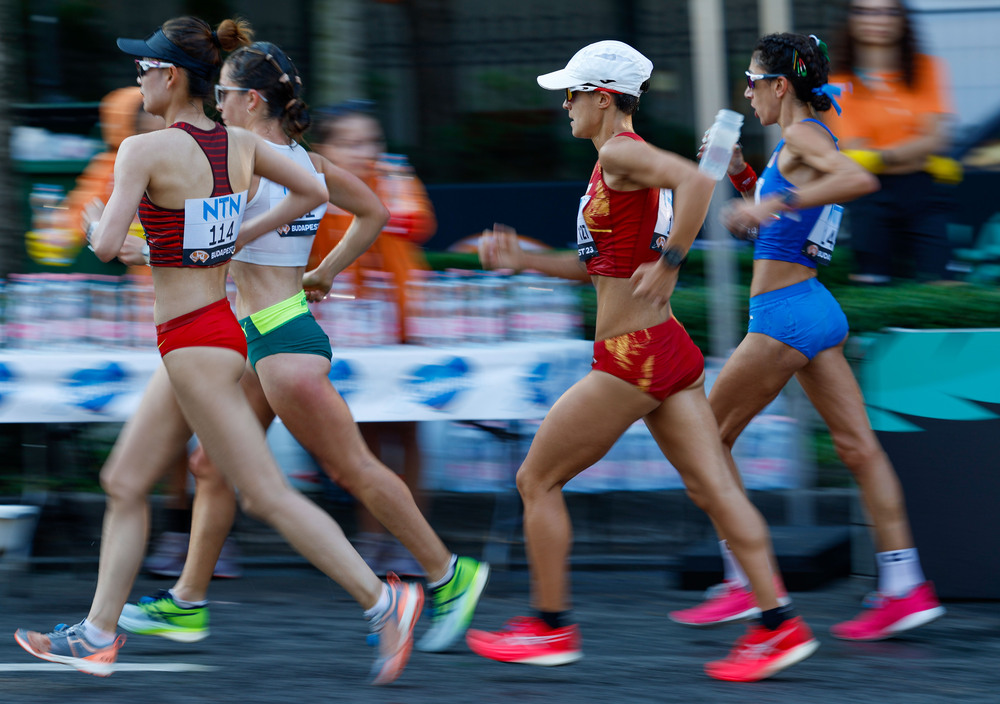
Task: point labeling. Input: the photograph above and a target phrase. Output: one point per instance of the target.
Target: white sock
(186, 604)
(95, 635)
(375, 613)
(732, 571)
(899, 572)
(448, 574)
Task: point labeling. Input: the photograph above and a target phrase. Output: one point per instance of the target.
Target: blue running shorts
(805, 316)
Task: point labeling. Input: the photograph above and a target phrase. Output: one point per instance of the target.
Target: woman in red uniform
(190, 183)
(645, 366)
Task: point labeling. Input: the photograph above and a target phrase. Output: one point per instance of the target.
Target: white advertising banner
(513, 380)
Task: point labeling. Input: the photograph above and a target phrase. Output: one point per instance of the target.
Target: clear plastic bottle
(722, 137)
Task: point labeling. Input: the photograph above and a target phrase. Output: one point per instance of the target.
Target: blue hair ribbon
(829, 91)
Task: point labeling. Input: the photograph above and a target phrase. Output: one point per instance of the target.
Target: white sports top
(288, 245)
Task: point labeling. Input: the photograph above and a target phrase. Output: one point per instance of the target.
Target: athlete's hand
(744, 219)
(132, 252)
(736, 162)
(654, 282)
(500, 248)
(316, 285)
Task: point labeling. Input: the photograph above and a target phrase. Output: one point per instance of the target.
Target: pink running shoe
(885, 616)
(762, 653)
(723, 603)
(529, 641)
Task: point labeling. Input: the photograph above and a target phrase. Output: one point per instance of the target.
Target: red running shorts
(659, 361)
(211, 326)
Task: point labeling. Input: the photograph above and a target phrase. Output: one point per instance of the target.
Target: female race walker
(645, 366)
(797, 328)
(289, 366)
(189, 183)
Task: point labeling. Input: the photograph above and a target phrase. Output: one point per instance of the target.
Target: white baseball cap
(608, 64)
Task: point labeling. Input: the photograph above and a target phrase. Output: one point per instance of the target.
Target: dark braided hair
(801, 60)
(846, 54)
(264, 67)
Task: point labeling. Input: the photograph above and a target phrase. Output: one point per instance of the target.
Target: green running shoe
(161, 616)
(453, 604)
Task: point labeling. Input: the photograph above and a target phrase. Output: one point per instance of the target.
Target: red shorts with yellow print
(660, 360)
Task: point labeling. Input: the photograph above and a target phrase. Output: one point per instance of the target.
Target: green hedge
(868, 308)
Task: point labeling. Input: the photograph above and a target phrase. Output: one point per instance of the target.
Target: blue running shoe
(68, 646)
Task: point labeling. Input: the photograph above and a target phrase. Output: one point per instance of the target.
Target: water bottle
(722, 137)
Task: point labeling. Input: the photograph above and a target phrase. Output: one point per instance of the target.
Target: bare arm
(304, 191)
(499, 248)
(348, 193)
(113, 220)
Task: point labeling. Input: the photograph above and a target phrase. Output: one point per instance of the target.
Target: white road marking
(119, 667)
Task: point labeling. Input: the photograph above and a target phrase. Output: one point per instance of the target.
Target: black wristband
(672, 258)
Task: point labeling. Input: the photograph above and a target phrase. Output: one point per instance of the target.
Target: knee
(122, 486)
(859, 454)
(260, 507)
(203, 469)
(531, 484)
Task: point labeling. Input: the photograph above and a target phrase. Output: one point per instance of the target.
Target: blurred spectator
(121, 116)
(895, 123)
(349, 135)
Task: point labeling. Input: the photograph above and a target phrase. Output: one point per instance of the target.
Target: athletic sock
(448, 574)
(186, 604)
(381, 608)
(95, 635)
(555, 619)
(899, 572)
(773, 618)
(732, 571)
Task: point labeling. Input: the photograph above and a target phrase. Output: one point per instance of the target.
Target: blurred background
(452, 84)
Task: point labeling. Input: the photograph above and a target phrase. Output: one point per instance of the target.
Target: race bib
(823, 236)
(305, 226)
(210, 228)
(664, 220)
(586, 248)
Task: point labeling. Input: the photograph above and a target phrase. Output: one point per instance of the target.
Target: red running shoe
(723, 603)
(885, 616)
(761, 653)
(529, 641)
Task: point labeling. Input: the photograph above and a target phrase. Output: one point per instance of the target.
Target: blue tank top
(783, 239)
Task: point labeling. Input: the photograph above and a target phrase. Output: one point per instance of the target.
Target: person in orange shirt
(351, 137)
(895, 123)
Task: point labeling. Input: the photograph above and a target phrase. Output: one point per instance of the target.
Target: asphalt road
(286, 634)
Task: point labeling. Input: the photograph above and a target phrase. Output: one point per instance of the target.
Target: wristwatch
(672, 258)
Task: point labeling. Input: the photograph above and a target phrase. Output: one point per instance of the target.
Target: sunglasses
(220, 92)
(587, 89)
(143, 65)
(876, 11)
(754, 77)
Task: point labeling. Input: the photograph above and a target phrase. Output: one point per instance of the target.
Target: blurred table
(507, 381)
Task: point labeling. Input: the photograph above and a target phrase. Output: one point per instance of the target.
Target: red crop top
(619, 230)
(204, 231)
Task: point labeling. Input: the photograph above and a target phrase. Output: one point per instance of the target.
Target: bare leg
(206, 383)
(684, 428)
(830, 384)
(579, 429)
(214, 507)
(290, 384)
(151, 442)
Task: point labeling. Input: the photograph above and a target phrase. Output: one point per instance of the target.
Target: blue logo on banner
(437, 385)
(95, 388)
(344, 378)
(545, 382)
(6, 382)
